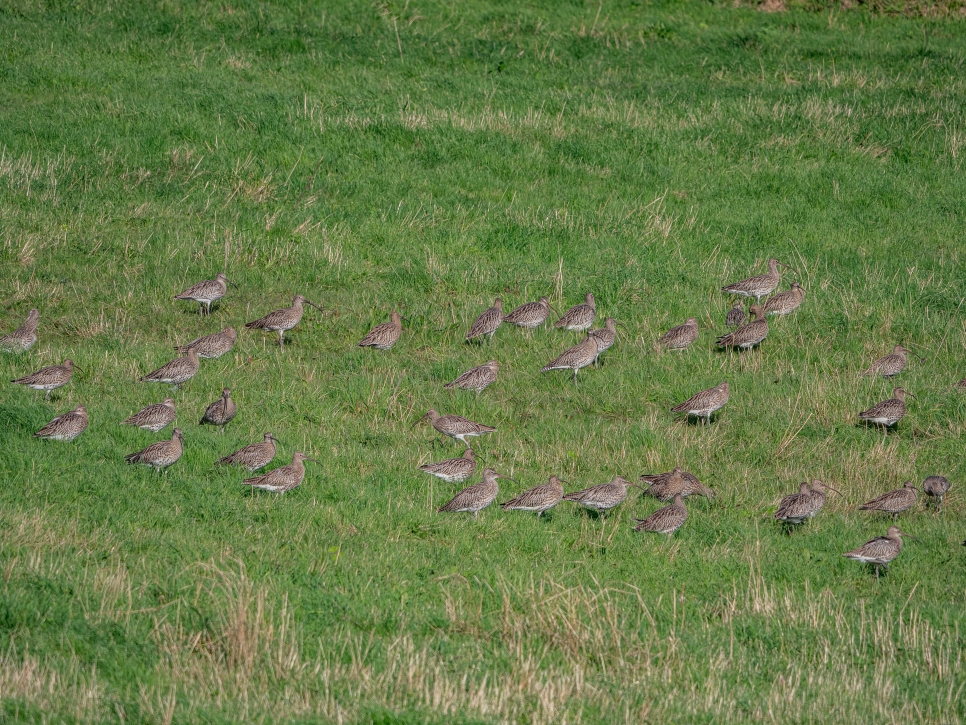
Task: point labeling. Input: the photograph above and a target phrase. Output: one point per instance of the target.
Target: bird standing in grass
(221, 412)
(253, 456)
(539, 498)
(385, 335)
(65, 427)
(283, 320)
(488, 322)
(21, 339)
(736, 315)
(705, 403)
(530, 315)
(478, 378)
(477, 497)
(888, 412)
(664, 486)
(155, 417)
(579, 356)
(760, 285)
(579, 317)
(936, 487)
(881, 550)
(161, 455)
(889, 365)
(894, 502)
(282, 479)
(602, 497)
(680, 337)
(212, 346)
(453, 470)
(747, 336)
(456, 426)
(784, 303)
(49, 378)
(799, 507)
(605, 337)
(204, 293)
(177, 372)
(666, 520)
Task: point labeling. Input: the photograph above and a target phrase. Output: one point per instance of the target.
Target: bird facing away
(49, 378)
(736, 315)
(212, 346)
(894, 502)
(888, 412)
(604, 336)
(221, 411)
(705, 403)
(161, 455)
(530, 315)
(456, 426)
(880, 550)
(252, 457)
(477, 497)
(453, 470)
(177, 372)
(936, 488)
(579, 317)
(154, 417)
(206, 292)
(478, 378)
(539, 498)
(800, 507)
(579, 356)
(747, 336)
(680, 337)
(666, 520)
(282, 320)
(961, 385)
(65, 427)
(664, 486)
(602, 497)
(24, 336)
(384, 336)
(281, 479)
(488, 322)
(784, 303)
(889, 365)
(760, 285)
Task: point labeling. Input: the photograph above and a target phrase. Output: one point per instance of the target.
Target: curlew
(21, 339)
(154, 417)
(664, 486)
(453, 470)
(282, 479)
(736, 315)
(161, 455)
(760, 285)
(604, 336)
(252, 457)
(961, 385)
(456, 426)
(539, 498)
(65, 427)
(894, 502)
(602, 497)
(478, 378)
(747, 336)
(889, 365)
(680, 337)
(477, 497)
(49, 378)
(880, 550)
(530, 315)
(666, 520)
(283, 320)
(579, 317)
(204, 293)
(799, 507)
(936, 488)
(784, 303)
(488, 322)
(177, 372)
(888, 412)
(579, 356)
(212, 346)
(705, 403)
(384, 336)
(220, 412)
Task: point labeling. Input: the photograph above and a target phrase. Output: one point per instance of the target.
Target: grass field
(428, 156)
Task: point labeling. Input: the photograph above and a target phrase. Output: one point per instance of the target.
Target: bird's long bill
(273, 438)
(914, 538)
(833, 489)
(230, 282)
(788, 267)
(79, 369)
(419, 421)
(553, 310)
(315, 306)
(310, 459)
(911, 395)
(500, 475)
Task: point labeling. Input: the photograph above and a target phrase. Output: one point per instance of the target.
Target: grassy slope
(428, 157)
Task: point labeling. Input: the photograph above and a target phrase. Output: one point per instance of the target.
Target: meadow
(427, 156)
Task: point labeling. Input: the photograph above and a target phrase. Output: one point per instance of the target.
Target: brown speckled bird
(161, 455)
(539, 498)
(579, 317)
(889, 365)
(282, 479)
(881, 550)
(888, 412)
(282, 320)
(894, 502)
(936, 487)
(799, 507)
(784, 303)
(605, 337)
(65, 427)
(212, 346)
(488, 322)
(49, 378)
(477, 497)
(204, 293)
(252, 457)
(760, 285)
(177, 372)
(453, 470)
(21, 339)
(221, 412)
(664, 486)
(155, 417)
(478, 378)
(384, 336)
(736, 315)
(680, 337)
(456, 426)
(666, 520)
(579, 356)
(530, 315)
(747, 336)
(705, 403)
(602, 497)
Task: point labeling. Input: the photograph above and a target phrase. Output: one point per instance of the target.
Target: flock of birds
(674, 486)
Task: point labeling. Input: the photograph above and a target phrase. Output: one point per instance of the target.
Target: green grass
(428, 156)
